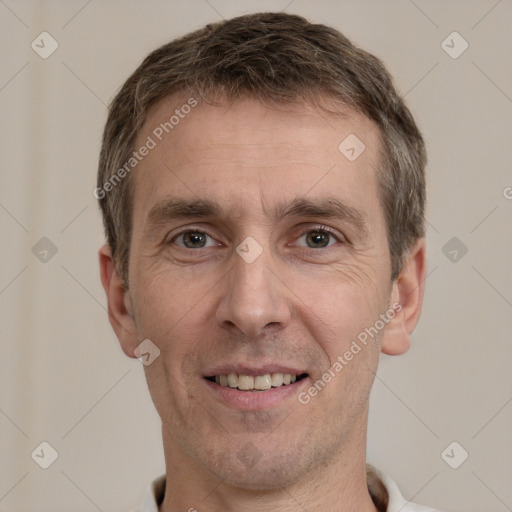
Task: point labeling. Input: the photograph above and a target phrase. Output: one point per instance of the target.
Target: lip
(254, 400)
(253, 370)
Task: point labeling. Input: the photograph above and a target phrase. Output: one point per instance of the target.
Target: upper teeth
(260, 382)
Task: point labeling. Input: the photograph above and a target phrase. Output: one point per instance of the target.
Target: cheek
(172, 312)
(173, 317)
(167, 295)
(338, 304)
(341, 310)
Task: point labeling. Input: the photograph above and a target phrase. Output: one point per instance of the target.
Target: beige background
(64, 379)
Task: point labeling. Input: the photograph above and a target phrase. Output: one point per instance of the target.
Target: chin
(253, 469)
(264, 479)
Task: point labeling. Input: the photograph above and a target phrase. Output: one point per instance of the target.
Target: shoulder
(153, 496)
(397, 502)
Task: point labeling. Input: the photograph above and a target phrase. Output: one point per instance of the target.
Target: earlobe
(120, 310)
(408, 295)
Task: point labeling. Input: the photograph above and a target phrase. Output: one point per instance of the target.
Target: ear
(120, 311)
(406, 300)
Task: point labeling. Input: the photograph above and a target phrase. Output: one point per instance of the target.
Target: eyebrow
(172, 208)
(330, 208)
(176, 209)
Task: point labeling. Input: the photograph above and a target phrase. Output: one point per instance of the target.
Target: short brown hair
(276, 58)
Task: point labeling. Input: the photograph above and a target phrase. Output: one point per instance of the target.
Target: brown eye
(194, 240)
(318, 239)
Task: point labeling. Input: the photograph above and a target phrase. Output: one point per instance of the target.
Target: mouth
(253, 387)
(256, 383)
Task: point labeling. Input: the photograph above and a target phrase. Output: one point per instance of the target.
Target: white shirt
(396, 502)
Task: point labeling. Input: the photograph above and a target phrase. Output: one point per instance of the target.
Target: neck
(339, 485)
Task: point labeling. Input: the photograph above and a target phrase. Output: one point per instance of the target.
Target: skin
(300, 303)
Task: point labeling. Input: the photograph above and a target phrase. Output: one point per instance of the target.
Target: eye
(194, 239)
(318, 238)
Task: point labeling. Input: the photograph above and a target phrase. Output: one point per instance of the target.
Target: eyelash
(320, 228)
(325, 229)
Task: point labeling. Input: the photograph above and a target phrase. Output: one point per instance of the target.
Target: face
(258, 256)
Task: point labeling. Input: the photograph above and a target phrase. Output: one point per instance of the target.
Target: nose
(254, 300)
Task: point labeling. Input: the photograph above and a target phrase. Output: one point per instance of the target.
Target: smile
(255, 382)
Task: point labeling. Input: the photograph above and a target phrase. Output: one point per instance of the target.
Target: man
(262, 187)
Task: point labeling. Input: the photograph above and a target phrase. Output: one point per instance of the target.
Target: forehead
(243, 152)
